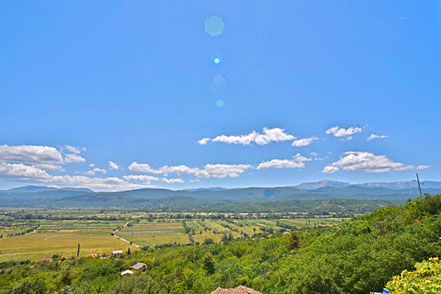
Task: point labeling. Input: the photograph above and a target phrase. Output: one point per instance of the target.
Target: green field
(35, 239)
(62, 238)
(151, 234)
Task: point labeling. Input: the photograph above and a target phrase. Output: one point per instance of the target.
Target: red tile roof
(237, 290)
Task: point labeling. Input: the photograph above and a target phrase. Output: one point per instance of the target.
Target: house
(45, 259)
(138, 266)
(93, 255)
(127, 272)
(115, 252)
(237, 290)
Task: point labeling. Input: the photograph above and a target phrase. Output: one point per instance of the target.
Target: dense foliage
(357, 256)
(425, 279)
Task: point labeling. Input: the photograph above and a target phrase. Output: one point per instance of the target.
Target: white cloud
(421, 167)
(223, 170)
(266, 137)
(112, 183)
(96, 170)
(172, 181)
(195, 181)
(73, 158)
(113, 166)
(180, 170)
(92, 165)
(145, 178)
(73, 149)
(367, 162)
(343, 133)
(143, 168)
(47, 166)
(209, 170)
(375, 136)
(330, 169)
(30, 154)
(298, 161)
(204, 141)
(22, 171)
(304, 142)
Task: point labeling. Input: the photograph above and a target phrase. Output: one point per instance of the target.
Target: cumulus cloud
(343, 133)
(209, 170)
(73, 149)
(113, 166)
(421, 167)
(204, 141)
(30, 154)
(95, 170)
(330, 169)
(112, 183)
(298, 161)
(143, 168)
(367, 162)
(267, 136)
(224, 170)
(144, 178)
(73, 158)
(375, 136)
(304, 142)
(21, 170)
(173, 181)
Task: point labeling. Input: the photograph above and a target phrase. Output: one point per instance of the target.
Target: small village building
(237, 290)
(46, 259)
(93, 255)
(138, 266)
(115, 252)
(126, 272)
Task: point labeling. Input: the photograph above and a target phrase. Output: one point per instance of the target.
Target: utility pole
(419, 185)
(78, 251)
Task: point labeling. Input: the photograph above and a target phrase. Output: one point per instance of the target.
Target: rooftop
(237, 290)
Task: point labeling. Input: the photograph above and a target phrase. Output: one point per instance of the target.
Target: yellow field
(34, 246)
(61, 237)
(151, 234)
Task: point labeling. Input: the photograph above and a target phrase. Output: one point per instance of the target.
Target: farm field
(62, 238)
(104, 232)
(151, 234)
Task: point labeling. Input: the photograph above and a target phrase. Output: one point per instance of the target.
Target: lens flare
(220, 103)
(218, 78)
(214, 26)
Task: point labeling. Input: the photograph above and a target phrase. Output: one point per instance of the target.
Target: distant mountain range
(39, 195)
(389, 185)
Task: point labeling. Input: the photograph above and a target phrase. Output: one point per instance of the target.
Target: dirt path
(122, 239)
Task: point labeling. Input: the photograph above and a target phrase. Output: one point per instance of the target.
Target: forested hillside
(358, 256)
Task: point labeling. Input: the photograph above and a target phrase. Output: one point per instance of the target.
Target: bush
(425, 279)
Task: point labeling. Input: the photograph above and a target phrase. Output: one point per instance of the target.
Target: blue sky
(136, 82)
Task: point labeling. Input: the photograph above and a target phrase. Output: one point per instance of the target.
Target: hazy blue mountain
(403, 184)
(210, 196)
(320, 184)
(399, 185)
(41, 192)
(99, 197)
(35, 189)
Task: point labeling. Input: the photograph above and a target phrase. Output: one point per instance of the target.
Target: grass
(62, 236)
(151, 234)
(34, 246)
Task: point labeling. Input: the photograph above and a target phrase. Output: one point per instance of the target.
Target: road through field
(122, 239)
